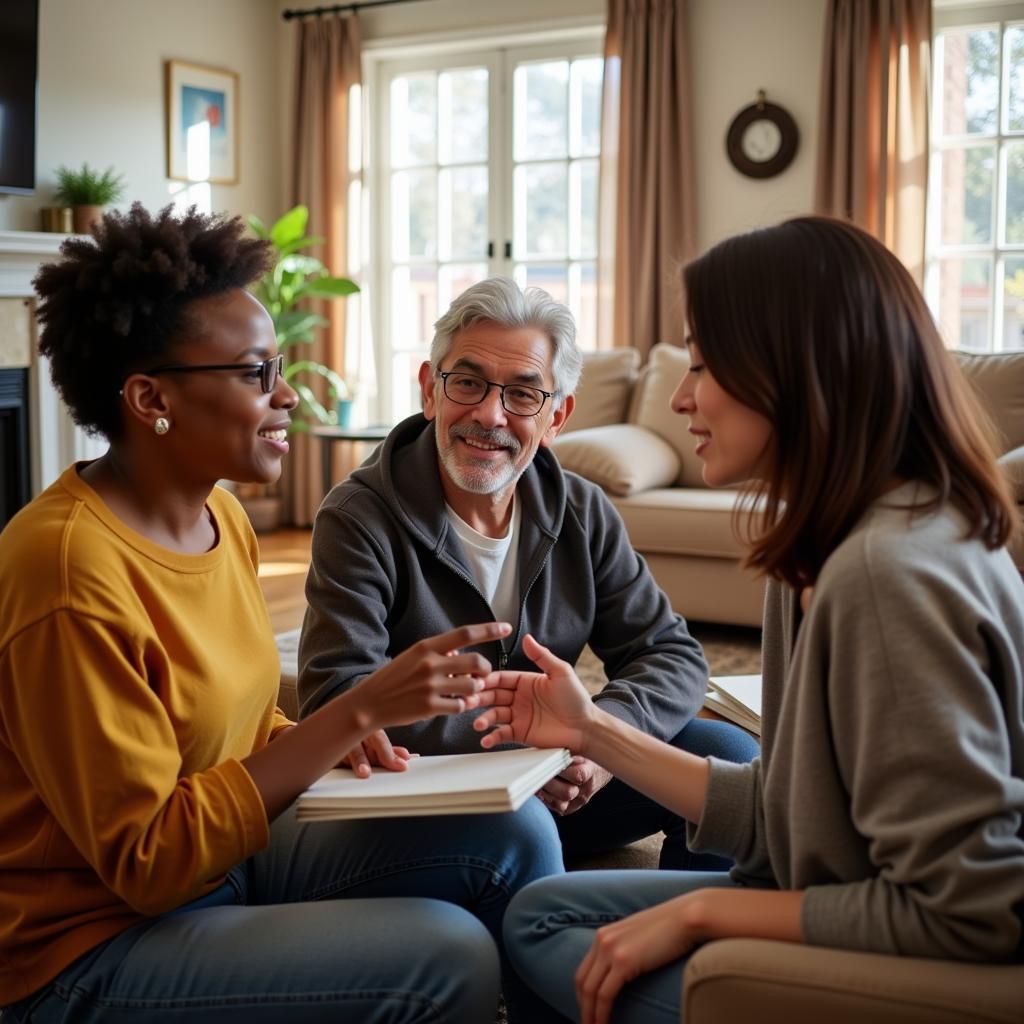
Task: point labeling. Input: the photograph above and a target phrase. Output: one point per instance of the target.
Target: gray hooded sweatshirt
(387, 570)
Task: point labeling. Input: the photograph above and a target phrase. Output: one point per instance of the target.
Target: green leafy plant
(294, 277)
(88, 187)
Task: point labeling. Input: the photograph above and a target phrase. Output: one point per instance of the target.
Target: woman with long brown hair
(885, 812)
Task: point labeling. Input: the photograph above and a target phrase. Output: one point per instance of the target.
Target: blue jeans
(550, 927)
(395, 920)
(619, 815)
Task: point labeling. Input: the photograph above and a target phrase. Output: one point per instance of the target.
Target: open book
(484, 783)
(737, 698)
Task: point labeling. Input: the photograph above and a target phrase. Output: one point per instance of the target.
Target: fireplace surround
(15, 456)
(37, 433)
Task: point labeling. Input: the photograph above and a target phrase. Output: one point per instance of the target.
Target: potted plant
(293, 279)
(87, 191)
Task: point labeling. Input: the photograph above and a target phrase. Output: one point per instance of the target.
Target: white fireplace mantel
(55, 440)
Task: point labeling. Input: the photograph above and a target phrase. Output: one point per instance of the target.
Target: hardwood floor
(284, 559)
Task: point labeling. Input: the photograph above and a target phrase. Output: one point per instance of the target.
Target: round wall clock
(762, 139)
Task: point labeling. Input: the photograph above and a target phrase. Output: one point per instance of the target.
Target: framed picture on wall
(202, 123)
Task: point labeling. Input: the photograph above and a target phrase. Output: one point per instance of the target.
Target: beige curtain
(327, 66)
(873, 133)
(647, 226)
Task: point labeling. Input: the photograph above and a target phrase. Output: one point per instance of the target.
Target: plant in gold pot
(87, 192)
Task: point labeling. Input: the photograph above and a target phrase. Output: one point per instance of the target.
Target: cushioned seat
(288, 651)
(780, 983)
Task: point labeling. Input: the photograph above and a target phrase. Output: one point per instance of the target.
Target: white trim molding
(54, 439)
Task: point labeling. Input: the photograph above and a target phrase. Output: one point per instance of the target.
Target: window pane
(583, 197)
(585, 106)
(1014, 56)
(413, 306)
(552, 277)
(542, 210)
(413, 119)
(583, 279)
(463, 219)
(1013, 303)
(967, 193)
(970, 81)
(455, 278)
(462, 115)
(405, 388)
(414, 214)
(965, 302)
(1014, 231)
(541, 110)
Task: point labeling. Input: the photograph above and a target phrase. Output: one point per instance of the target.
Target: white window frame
(564, 38)
(971, 14)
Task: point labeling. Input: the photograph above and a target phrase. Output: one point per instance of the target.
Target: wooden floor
(284, 559)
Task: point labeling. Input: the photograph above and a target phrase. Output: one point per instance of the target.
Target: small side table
(354, 435)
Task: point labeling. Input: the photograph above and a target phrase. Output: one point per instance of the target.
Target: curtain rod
(339, 8)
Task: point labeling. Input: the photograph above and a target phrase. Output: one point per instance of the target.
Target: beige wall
(101, 95)
(740, 46)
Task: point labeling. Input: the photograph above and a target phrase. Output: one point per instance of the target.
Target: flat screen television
(19, 64)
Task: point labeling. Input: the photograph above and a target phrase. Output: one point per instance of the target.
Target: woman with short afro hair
(150, 863)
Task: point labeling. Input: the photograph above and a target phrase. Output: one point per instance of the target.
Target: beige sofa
(625, 437)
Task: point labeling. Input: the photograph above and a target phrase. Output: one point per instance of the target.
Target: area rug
(729, 651)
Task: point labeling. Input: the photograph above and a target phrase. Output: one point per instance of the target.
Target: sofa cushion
(621, 458)
(683, 521)
(998, 380)
(652, 408)
(1013, 465)
(603, 392)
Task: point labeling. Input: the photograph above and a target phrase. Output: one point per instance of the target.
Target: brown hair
(818, 327)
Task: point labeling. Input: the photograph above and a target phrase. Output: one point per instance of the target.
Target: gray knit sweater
(891, 781)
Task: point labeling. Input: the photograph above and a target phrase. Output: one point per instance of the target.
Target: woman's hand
(645, 941)
(376, 750)
(628, 948)
(430, 678)
(550, 708)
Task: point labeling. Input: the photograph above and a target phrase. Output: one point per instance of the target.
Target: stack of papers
(485, 783)
(737, 698)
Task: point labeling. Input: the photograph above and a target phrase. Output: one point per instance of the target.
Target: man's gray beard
(476, 481)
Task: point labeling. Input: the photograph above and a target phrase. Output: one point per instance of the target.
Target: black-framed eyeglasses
(517, 399)
(270, 369)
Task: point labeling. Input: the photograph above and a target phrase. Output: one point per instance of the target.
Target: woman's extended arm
(552, 709)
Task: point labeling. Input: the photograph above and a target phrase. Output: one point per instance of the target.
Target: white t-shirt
(494, 563)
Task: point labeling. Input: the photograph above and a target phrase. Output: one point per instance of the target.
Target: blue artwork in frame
(202, 123)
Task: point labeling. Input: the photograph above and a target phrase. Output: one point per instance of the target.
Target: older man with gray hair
(464, 515)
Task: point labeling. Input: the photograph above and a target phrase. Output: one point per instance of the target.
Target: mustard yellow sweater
(132, 680)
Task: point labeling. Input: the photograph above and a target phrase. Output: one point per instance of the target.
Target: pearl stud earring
(161, 425)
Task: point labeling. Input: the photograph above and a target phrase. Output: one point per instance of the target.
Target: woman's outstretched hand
(430, 678)
(550, 708)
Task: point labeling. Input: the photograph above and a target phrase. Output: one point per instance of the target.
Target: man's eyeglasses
(517, 399)
(270, 369)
